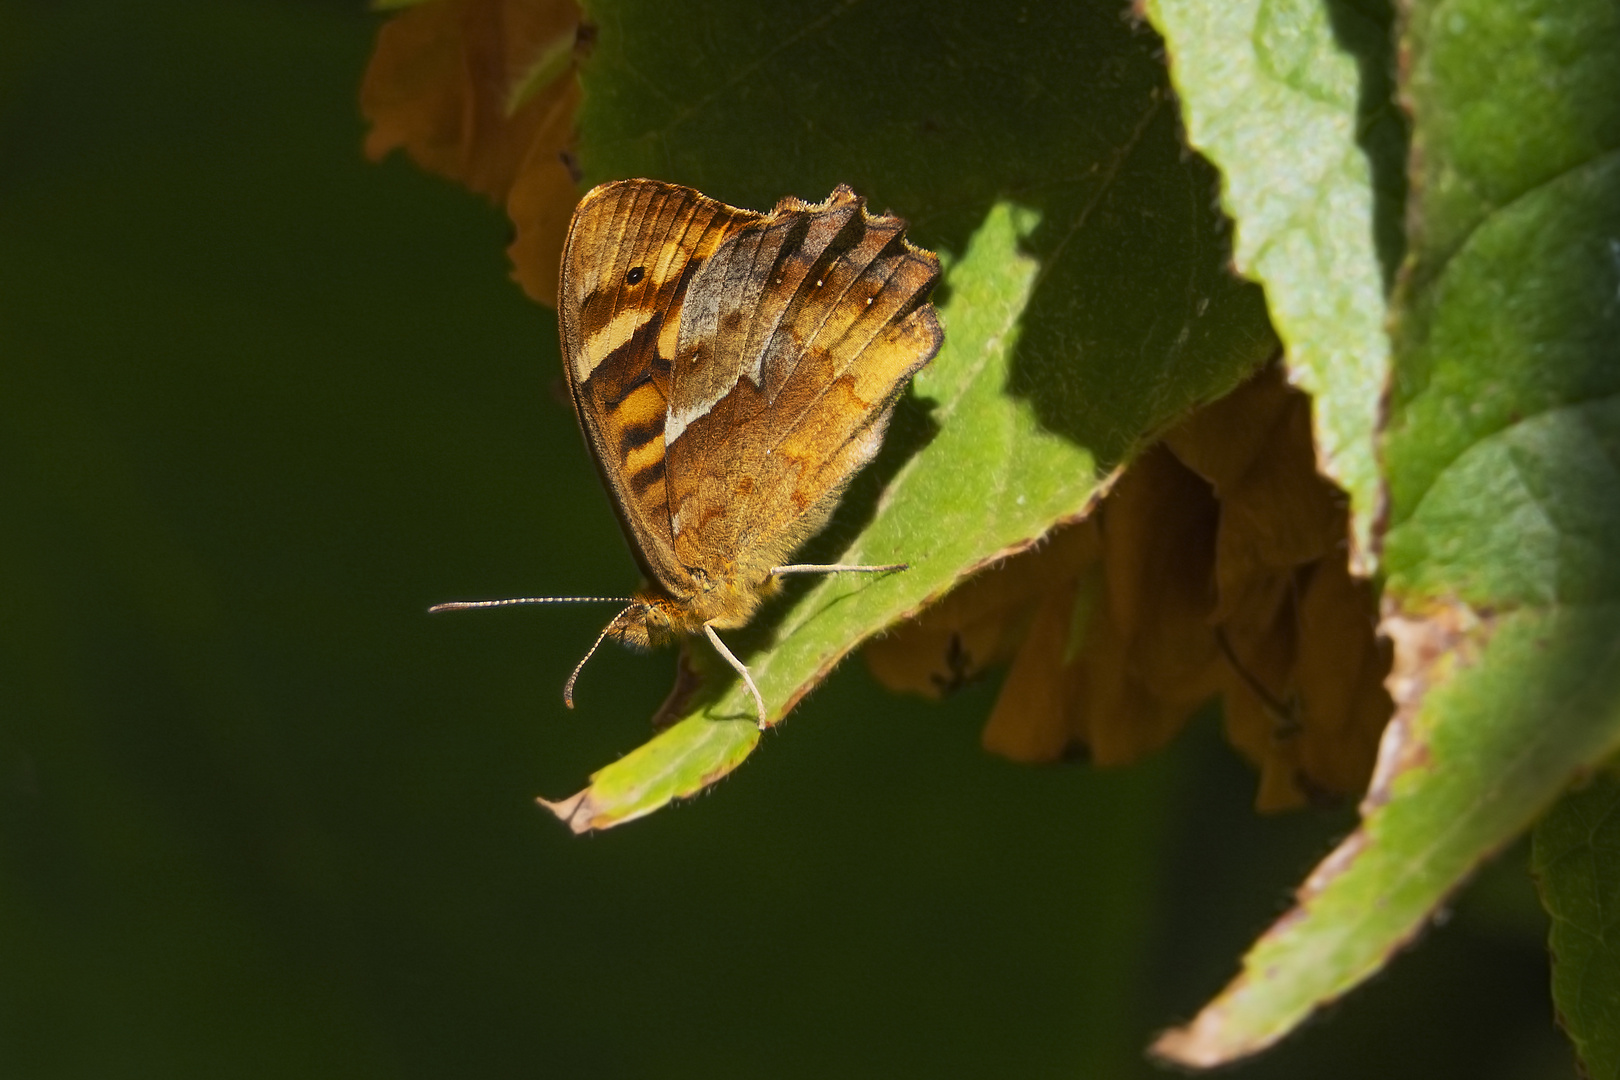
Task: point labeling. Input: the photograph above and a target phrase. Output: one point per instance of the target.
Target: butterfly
(731, 372)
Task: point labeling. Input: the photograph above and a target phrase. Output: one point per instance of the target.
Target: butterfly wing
(633, 249)
(797, 336)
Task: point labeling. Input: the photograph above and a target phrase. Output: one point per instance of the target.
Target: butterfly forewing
(631, 252)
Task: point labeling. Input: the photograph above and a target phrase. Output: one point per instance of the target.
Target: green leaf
(1087, 303)
(1503, 586)
(1274, 93)
(1576, 860)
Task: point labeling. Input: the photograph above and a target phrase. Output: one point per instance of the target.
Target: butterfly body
(654, 619)
(731, 371)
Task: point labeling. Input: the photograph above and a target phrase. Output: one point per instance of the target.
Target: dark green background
(260, 404)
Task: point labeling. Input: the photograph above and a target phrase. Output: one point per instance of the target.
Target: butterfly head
(636, 626)
(647, 621)
(654, 619)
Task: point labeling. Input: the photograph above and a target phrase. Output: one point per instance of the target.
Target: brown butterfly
(731, 372)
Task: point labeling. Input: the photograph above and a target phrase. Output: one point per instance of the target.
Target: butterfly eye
(635, 275)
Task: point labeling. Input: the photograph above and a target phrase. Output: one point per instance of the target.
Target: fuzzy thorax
(725, 603)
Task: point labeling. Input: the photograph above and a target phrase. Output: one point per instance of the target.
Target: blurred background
(261, 403)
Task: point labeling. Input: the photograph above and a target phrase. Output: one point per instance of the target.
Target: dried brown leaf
(982, 622)
(483, 92)
(1151, 656)
(1217, 565)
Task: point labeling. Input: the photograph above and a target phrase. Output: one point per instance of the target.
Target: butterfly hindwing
(812, 320)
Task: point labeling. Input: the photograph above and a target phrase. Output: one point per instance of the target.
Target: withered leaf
(1217, 565)
(483, 92)
(982, 623)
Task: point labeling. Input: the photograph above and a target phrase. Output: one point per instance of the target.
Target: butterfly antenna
(568, 687)
(464, 605)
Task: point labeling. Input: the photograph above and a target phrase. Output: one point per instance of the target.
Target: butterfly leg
(748, 680)
(835, 568)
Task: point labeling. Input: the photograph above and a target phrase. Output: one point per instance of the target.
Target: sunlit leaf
(1278, 95)
(1503, 588)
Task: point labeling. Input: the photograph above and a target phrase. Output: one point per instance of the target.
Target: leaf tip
(1188, 1047)
(568, 811)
